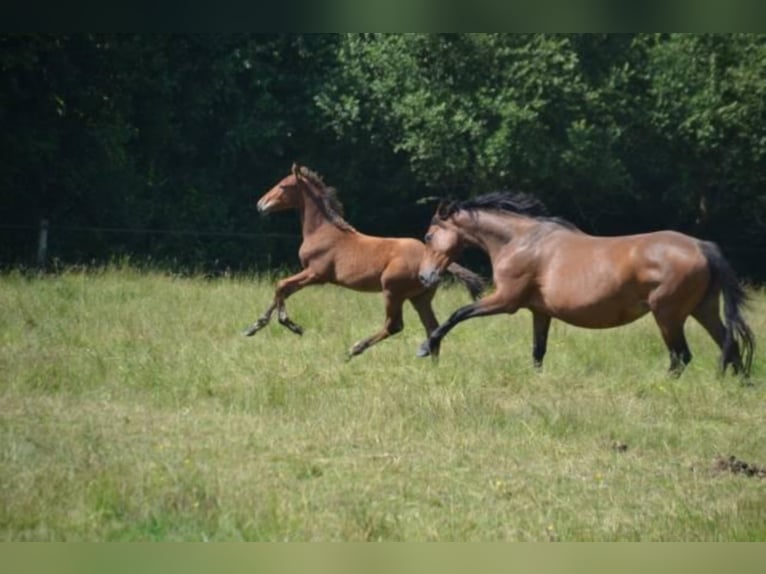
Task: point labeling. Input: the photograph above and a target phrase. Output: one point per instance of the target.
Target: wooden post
(42, 245)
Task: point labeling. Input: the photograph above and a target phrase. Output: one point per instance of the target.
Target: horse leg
(262, 321)
(392, 325)
(673, 334)
(540, 325)
(708, 314)
(422, 304)
(285, 288)
(492, 304)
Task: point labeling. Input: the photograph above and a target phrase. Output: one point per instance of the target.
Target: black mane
(513, 202)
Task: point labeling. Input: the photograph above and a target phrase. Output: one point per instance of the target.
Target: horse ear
(296, 169)
(445, 209)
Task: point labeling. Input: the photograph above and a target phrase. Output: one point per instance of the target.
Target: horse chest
(314, 255)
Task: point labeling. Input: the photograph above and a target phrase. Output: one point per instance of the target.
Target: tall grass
(133, 409)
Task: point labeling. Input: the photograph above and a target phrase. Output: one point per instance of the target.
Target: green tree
(154, 131)
(619, 132)
(473, 112)
(707, 105)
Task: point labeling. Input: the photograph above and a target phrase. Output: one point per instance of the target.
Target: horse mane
(331, 205)
(513, 202)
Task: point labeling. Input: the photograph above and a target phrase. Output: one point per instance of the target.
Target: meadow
(132, 408)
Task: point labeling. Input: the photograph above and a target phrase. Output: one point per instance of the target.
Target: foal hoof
(297, 329)
(356, 349)
(253, 329)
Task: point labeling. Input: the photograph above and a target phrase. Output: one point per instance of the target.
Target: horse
(547, 265)
(334, 252)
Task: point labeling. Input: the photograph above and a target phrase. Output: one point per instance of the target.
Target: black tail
(738, 333)
(475, 284)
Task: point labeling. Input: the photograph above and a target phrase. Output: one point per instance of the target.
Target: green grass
(131, 408)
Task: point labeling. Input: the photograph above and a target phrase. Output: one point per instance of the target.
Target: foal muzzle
(430, 277)
(263, 207)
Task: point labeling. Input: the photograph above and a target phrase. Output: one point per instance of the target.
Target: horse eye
(428, 237)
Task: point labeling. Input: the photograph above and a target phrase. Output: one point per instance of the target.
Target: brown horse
(334, 252)
(548, 266)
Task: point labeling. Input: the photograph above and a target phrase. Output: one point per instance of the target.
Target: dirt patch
(734, 465)
(619, 446)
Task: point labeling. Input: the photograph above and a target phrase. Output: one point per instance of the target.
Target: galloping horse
(548, 266)
(334, 252)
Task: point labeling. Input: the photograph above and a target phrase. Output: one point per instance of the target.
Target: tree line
(619, 133)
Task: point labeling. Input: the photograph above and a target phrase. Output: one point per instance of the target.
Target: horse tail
(475, 283)
(734, 299)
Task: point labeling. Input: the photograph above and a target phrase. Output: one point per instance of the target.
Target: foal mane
(328, 196)
(512, 202)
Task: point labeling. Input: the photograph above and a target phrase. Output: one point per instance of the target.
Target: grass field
(132, 408)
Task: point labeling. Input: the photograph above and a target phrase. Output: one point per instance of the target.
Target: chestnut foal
(334, 252)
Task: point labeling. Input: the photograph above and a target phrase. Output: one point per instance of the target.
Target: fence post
(42, 245)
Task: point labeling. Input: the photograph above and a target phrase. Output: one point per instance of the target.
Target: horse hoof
(424, 350)
(356, 350)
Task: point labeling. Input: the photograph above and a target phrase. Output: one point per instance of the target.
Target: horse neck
(312, 214)
(491, 231)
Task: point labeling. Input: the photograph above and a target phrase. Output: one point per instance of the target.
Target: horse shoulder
(321, 247)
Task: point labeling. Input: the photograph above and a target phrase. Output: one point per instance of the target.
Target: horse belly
(384, 263)
(358, 277)
(358, 273)
(603, 315)
(597, 306)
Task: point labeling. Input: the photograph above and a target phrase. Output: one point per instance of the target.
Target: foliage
(152, 131)
(618, 132)
(707, 92)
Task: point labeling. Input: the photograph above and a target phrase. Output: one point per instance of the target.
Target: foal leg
(392, 325)
(540, 325)
(285, 288)
(422, 304)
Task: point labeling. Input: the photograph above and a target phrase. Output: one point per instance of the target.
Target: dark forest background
(156, 147)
